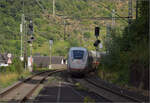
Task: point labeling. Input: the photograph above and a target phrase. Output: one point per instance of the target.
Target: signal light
(97, 31)
(29, 41)
(31, 25)
(96, 43)
(30, 28)
(32, 38)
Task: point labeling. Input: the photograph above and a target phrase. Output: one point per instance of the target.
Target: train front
(78, 61)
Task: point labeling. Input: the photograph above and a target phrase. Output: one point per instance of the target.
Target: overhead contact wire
(111, 10)
(40, 5)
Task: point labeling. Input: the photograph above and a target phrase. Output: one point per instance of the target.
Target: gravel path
(59, 89)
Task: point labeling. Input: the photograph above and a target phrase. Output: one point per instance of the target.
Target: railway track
(24, 89)
(105, 92)
(63, 90)
(119, 93)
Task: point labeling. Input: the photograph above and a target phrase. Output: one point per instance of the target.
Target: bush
(128, 52)
(115, 62)
(16, 66)
(34, 67)
(87, 35)
(2, 69)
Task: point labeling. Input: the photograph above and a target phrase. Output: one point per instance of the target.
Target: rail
(16, 94)
(113, 91)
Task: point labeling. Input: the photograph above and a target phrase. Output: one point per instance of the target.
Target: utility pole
(53, 8)
(64, 29)
(113, 17)
(129, 11)
(25, 44)
(24, 39)
(108, 29)
(128, 41)
(50, 44)
(21, 39)
(21, 32)
(137, 9)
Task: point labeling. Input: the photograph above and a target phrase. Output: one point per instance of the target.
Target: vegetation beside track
(127, 59)
(15, 72)
(8, 78)
(41, 69)
(80, 87)
(88, 100)
(12, 73)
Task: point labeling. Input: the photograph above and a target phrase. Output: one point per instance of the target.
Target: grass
(111, 77)
(80, 87)
(88, 100)
(43, 69)
(24, 75)
(117, 78)
(8, 78)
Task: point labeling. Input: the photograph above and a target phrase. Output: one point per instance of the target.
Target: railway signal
(31, 32)
(31, 27)
(32, 38)
(97, 43)
(97, 31)
(29, 41)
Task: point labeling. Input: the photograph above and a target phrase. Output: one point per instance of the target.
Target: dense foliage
(77, 32)
(128, 52)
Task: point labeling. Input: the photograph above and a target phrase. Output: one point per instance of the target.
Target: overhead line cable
(102, 18)
(40, 5)
(111, 11)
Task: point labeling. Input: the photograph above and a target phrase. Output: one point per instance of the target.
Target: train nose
(78, 64)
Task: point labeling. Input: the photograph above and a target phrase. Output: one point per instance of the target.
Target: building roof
(44, 61)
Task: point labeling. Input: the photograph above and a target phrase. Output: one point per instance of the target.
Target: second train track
(24, 89)
(104, 91)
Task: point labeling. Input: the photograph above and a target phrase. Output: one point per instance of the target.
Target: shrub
(34, 67)
(16, 66)
(87, 35)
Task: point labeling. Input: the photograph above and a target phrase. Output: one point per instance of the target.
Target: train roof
(78, 48)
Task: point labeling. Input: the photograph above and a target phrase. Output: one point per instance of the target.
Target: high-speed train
(79, 61)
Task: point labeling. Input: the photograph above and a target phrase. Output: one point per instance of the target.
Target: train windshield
(78, 54)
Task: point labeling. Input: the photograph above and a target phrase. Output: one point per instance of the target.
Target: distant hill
(79, 30)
